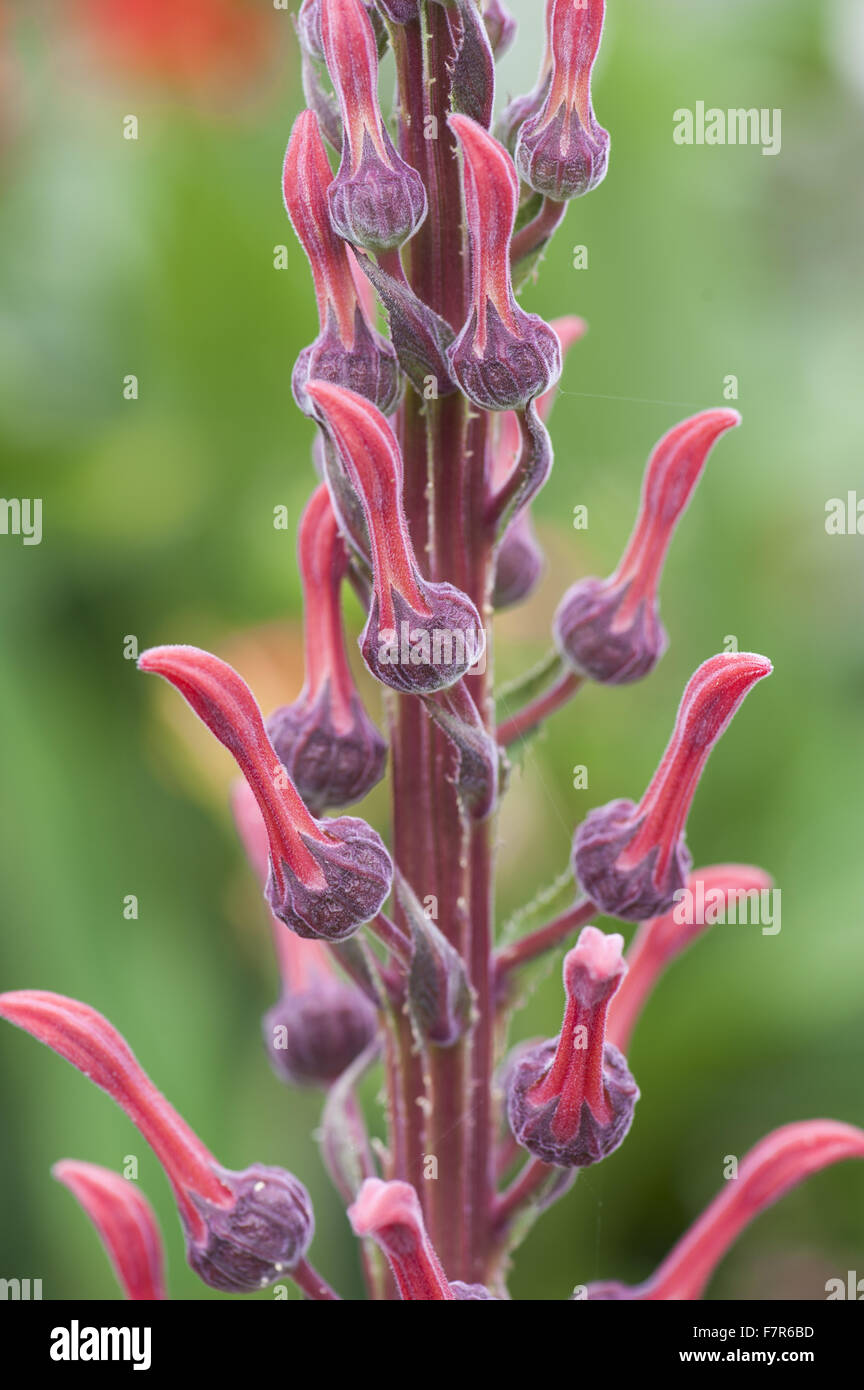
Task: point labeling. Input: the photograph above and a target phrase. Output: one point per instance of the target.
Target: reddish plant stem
(546, 939)
(526, 1185)
(534, 713)
(397, 941)
(312, 1284)
(537, 232)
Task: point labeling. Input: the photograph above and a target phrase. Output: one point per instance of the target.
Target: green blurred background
(156, 257)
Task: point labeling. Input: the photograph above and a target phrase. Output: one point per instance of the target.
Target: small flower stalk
(562, 152)
(570, 1102)
(610, 630)
(632, 860)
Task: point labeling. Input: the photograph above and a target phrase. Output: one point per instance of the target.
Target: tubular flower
(389, 1212)
(376, 200)
(326, 742)
(570, 1101)
(320, 1023)
(503, 358)
(348, 350)
(561, 150)
(778, 1163)
(632, 860)
(242, 1229)
(326, 877)
(519, 561)
(419, 636)
(656, 944)
(309, 26)
(125, 1223)
(610, 629)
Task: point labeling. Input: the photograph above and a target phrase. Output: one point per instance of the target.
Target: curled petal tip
(125, 1223)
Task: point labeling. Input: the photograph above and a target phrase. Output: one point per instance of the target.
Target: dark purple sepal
(558, 157)
(632, 893)
(472, 78)
(370, 367)
(586, 636)
(404, 656)
(330, 768)
(592, 1140)
(312, 1035)
(262, 1236)
(382, 204)
(514, 367)
(358, 872)
(517, 112)
(420, 337)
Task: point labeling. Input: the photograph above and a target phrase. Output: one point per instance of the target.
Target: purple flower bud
(376, 200)
(312, 1035)
(632, 860)
(348, 350)
(326, 877)
(325, 740)
(419, 636)
(321, 1023)
(503, 358)
(263, 1234)
(519, 563)
(570, 1102)
(500, 26)
(610, 629)
(562, 151)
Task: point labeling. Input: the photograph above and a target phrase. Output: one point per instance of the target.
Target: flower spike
(632, 860)
(503, 358)
(347, 350)
(656, 944)
(242, 1229)
(326, 741)
(570, 1101)
(420, 636)
(377, 201)
(610, 629)
(320, 1023)
(126, 1225)
(561, 151)
(778, 1163)
(326, 877)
